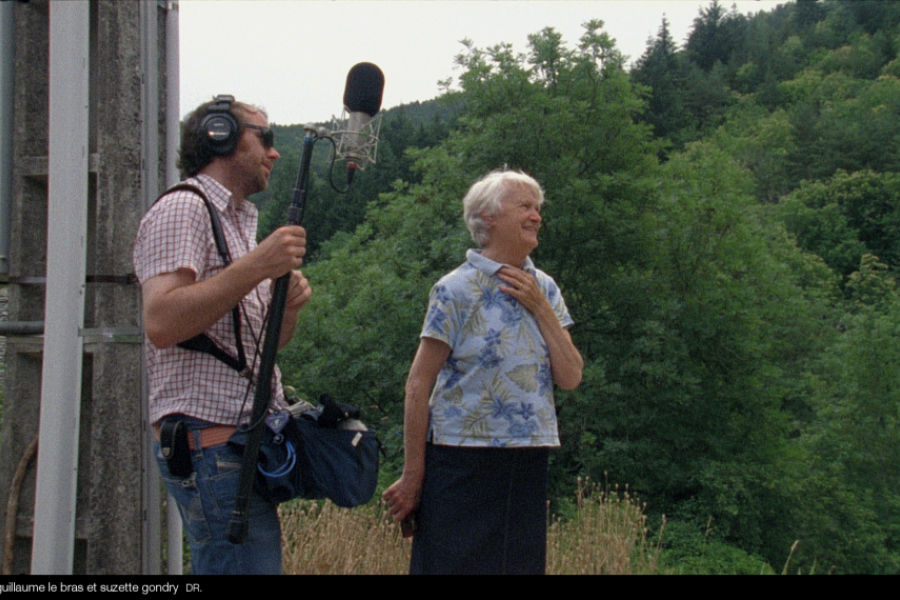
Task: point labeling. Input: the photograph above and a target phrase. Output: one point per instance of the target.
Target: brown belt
(209, 436)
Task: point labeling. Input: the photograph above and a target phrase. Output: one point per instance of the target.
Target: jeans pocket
(187, 498)
(227, 465)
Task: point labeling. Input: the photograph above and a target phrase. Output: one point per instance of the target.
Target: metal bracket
(111, 335)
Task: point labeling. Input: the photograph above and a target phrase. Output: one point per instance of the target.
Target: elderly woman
(479, 413)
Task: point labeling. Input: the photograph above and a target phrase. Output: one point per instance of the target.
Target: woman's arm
(403, 497)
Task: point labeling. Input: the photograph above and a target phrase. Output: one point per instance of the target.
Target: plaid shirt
(176, 233)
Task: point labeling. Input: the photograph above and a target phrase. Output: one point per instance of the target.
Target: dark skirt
(482, 511)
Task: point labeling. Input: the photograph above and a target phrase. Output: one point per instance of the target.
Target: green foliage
(689, 550)
(761, 141)
(716, 36)
(329, 212)
(359, 334)
(661, 71)
(846, 216)
(851, 515)
(700, 356)
(824, 64)
(736, 305)
(871, 286)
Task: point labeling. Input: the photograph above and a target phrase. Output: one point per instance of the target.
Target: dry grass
(606, 535)
(322, 539)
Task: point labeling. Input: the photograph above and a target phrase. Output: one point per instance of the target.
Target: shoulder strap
(218, 233)
(202, 342)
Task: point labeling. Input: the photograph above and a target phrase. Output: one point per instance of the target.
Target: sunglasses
(266, 135)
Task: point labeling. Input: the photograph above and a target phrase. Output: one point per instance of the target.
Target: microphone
(362, 101)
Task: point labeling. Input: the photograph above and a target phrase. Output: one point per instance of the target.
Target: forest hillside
(723, 219)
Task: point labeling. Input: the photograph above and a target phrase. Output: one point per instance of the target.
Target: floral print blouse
(496, 387)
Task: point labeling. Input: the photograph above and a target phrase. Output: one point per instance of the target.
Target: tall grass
(322, 539)
(605, 535)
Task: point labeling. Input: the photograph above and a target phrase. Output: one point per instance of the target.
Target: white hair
(484, 197)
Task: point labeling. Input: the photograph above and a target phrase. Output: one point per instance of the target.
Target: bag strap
(202, 342)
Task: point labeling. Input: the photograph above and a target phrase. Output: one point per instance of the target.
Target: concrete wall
(111, 518)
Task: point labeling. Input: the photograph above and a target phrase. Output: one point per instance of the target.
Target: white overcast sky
(292, 56)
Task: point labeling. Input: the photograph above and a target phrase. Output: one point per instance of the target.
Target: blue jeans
(205, 500)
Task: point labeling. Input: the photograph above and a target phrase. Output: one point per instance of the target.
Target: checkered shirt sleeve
(176, 233)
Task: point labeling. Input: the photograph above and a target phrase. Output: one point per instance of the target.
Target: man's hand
(279, 253)
(177, 307)
(298, 293)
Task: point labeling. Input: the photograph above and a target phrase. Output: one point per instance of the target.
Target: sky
(291, 57)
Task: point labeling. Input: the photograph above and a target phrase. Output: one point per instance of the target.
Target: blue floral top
(496, 388)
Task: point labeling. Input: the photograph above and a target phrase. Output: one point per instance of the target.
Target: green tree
(729, 378)
(850, 518)
(567, 117)
(716, 35)
(661, 71)
(329, 211)
(847, 216)
(761, 140)
(704, 347)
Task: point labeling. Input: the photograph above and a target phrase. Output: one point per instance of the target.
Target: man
(187, 290)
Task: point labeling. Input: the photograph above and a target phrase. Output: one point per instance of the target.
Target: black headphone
(219, 130)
